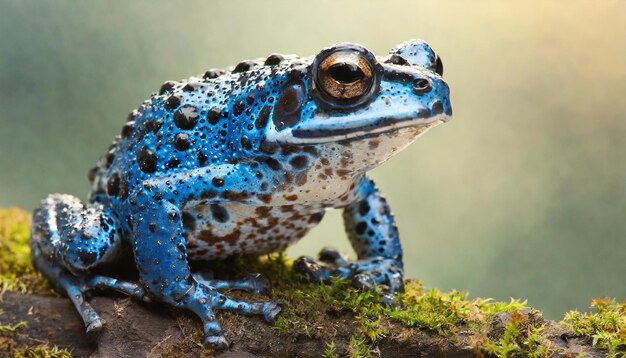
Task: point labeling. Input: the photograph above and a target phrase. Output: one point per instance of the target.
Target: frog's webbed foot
(202, 299)
(76, 288)
(255, 283)
(365, 273)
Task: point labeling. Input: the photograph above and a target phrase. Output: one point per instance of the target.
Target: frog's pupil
(345, 72)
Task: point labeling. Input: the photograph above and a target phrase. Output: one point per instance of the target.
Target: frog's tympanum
(246, 161)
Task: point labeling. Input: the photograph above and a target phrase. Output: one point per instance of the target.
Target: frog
(245, 161)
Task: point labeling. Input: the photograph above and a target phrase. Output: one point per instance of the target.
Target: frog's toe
(366, 274)
(390, 300)
(128, 288)
(260, 283)
(271, 310)
(72, 286)
(95, 325)
(363, 281)
(256, 282)
(307, 266)
(393, 282)
(216, 342)
(331, 256)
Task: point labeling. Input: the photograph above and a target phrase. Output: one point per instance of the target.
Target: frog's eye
(345, 76)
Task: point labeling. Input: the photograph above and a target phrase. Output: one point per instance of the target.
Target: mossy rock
(328, 320)
(16, 271)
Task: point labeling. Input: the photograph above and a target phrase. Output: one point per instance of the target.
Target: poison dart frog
(246, 160)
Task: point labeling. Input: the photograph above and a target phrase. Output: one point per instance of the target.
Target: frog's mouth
(321, 135)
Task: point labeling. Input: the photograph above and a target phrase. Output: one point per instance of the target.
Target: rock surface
(152, 330)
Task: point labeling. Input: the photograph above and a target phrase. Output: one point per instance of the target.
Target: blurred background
(522, 194)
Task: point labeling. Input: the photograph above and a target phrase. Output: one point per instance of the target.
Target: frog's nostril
(421, 86)
(437, 107)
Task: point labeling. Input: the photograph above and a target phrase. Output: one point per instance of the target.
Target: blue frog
(246, 161)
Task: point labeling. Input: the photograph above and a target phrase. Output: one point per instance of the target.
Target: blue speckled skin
(246, 160)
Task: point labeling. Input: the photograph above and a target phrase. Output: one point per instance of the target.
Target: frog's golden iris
(345, 76)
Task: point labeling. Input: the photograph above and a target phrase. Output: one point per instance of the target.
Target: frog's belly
(218, 231)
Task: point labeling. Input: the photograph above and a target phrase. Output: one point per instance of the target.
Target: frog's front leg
(160, 248)
(374, 236)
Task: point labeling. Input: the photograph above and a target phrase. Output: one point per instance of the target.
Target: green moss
(309, 305)
(10, 348)
(606, 327)
(359, 348)
(490, 307)
(18, 275)
(42, 351)
(16, 271)
(330, 351)
(521, 337)
(368, 312)
(13, 328)
(433, 310)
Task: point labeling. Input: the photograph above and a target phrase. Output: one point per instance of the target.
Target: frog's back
(199, 122)
(184, 126)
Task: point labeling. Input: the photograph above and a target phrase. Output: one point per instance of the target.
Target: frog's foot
(72, 287)
(203, 299)
(255, 282)
(75, 287)
(365, 274)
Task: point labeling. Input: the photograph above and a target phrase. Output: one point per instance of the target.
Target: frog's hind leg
(69, 239)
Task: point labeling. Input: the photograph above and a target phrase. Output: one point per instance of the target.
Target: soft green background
(522, 194)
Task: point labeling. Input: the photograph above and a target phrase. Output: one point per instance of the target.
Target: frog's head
(347, 102)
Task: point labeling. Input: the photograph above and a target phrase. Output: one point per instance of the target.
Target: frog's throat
(383, 125)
